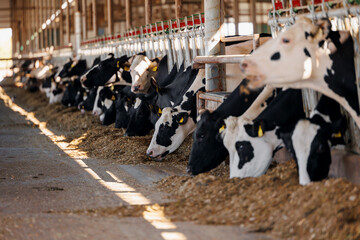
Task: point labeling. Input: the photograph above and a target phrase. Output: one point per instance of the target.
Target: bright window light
(43, 26)
(64, 5)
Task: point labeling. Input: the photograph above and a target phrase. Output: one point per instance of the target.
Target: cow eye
(286, 40)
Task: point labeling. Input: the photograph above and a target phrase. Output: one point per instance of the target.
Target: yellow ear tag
(112, 88)
(337, 135)
(118, 64)
(181, 120)
(128, 99)
(157, 89)
(222, 128)
(113, 97)
(126, 68)
(72, 65)
(260, 132)
(159, 111)
(154, 69)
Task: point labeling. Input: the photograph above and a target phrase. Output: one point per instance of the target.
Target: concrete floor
(41, 187)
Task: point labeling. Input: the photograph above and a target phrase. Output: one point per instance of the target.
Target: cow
(142, 69)
(310, 56)
(252, 142)
(207, 152)
(310, 140)
(88, 103)
(124, 100)
(101, 73)
(177, 122)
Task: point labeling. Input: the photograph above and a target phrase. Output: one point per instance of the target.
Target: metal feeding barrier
(181, 39)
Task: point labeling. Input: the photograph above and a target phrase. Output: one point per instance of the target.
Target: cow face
(97, 109)
(139, 71)
(295, 51)
(207, 151)
(65, 70)
(309, 143)
(249, 156)
(56, 93)
(139, 122)
(88, 103)
(171, 129)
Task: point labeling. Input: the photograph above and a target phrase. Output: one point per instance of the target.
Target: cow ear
(183, 118)
(153, 66)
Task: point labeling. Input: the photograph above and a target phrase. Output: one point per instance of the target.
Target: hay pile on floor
(274, 203)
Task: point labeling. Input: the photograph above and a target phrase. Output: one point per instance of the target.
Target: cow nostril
(243, 65)
(136, 88)
(189, 170)
(149, 153)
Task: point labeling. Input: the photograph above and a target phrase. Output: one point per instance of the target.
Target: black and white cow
(177, 122)
(309, 140)
(101, 73)
(124, 101)
(88, 103)
(207, 151)
(308, 56)
(252, 143)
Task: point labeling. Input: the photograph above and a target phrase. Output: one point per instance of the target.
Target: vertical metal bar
(213, 45)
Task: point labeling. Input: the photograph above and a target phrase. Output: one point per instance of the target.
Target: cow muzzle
(252, 73)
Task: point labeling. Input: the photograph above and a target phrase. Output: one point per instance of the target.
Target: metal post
(213, 46)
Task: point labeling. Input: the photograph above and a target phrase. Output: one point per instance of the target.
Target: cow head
(140, 70)
(207, 151)
(99, 74)
(65, 70)
(171, 129)
(296, 52)
(249, 156)
(139, 123)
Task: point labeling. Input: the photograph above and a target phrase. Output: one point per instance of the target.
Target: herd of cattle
(140, 94)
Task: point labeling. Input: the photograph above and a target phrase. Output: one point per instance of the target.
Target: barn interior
(64, 175)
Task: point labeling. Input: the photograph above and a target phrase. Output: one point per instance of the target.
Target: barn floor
(50, 190)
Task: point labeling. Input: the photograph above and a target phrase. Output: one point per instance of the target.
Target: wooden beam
(61, 25)
(110, 16)
(84, 19)
(253, 14)
(148, 12)
(236, 16)
(94, 17)
(128, 13)
(178, 8)
(68, 34)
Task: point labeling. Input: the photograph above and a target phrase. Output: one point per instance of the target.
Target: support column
(236, 16)
(253, 14)
(110, 16)
(54, 24)
(94, 17)
(77, 27)
(84, 19)
(68, 34)
(178, 8)
(213, 46)
(128, 13)
(148, 12)
(61, 26)
(46, 44)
